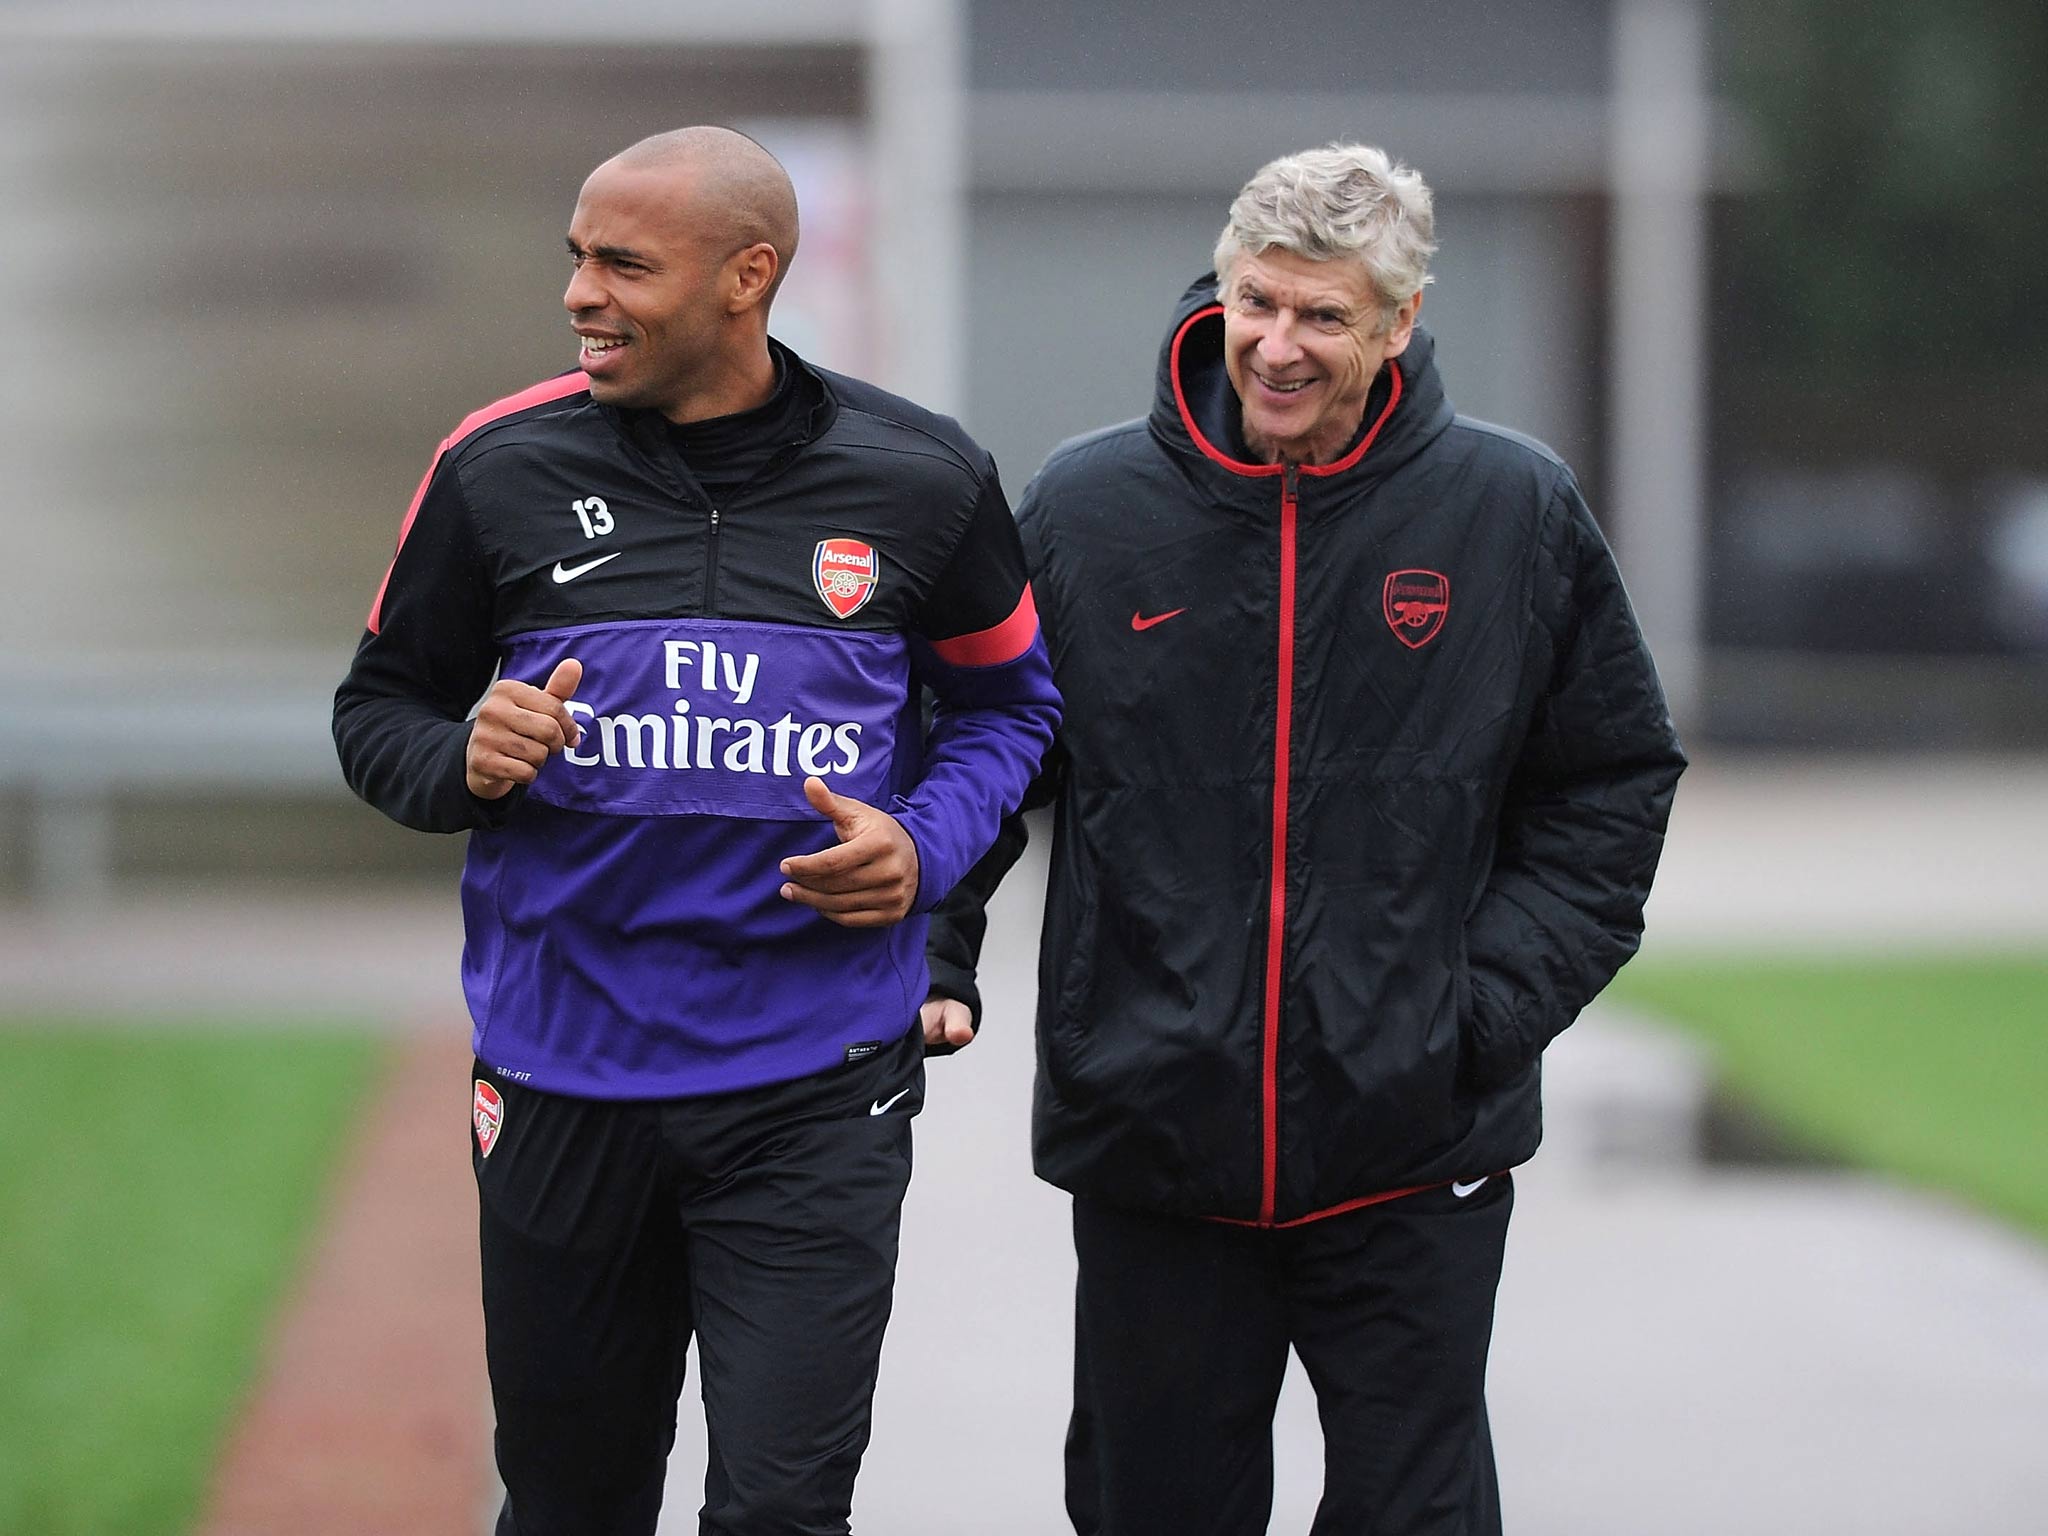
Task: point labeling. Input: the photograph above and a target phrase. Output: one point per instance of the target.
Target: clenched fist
(518, 728)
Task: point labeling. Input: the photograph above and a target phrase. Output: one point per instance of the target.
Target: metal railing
(76, 738)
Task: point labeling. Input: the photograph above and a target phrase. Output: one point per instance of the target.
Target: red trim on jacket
(1240, 466)
(1276, 909)
(1267, 1224)
(998, 643)
(1187, 417)
(537, 394)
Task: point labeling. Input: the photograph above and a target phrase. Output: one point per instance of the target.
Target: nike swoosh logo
(571, 572)
(1140, 623)
(881, 1106)
(1462, 1190)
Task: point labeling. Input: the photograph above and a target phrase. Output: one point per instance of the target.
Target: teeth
(1286, 389)
(601, 343)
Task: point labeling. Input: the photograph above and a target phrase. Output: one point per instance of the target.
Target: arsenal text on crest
(487, 1111)
(845, 572)
(1415, 604)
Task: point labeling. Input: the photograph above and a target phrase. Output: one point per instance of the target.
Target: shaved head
(736, 189)
(676, 249)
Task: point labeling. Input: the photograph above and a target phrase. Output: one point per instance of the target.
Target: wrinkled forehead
(1301, 281)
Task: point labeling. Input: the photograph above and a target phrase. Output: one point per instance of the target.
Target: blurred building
(271, 254)
(277, 253)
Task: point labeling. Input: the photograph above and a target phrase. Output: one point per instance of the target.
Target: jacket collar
(647, 430)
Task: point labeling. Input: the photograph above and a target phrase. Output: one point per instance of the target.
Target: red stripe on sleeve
(375, 622)
(999, 643)
(538, 394)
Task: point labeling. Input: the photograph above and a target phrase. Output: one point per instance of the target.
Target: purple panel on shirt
(719, 717)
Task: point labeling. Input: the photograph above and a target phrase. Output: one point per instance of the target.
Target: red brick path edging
(372, 1417)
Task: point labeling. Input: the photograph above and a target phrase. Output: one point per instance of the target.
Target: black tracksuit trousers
(1181, 1334)
(762, 1223)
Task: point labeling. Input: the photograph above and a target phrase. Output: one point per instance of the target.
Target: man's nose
(1278, 345)
(584, 291)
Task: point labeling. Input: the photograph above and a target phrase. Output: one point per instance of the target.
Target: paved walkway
(1680, 1349)
(1856, 853)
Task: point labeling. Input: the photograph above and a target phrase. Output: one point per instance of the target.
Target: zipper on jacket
(1276, 913)
(711, 569)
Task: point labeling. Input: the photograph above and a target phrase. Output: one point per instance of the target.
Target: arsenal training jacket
(1362, 780)
(625, 933)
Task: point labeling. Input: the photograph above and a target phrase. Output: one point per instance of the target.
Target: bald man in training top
(654, 637)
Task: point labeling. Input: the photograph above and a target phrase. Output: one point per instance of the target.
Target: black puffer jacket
(1362, 782)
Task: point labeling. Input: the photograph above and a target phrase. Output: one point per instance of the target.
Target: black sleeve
(984, 578)
(960, 922)
(400, 716)
(1582, 821)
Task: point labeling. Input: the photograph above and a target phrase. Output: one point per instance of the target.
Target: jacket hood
(1196, 414)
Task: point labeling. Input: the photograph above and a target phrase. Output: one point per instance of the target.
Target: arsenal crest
(1415, 603)
(489, 1113)
(844, 572)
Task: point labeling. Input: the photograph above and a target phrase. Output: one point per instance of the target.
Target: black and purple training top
(625, 935)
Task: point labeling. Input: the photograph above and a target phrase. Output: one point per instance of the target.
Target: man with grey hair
(1359, 790)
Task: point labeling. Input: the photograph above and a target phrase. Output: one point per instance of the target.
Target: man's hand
(870, 879)
(518, 728)
(946, 1022)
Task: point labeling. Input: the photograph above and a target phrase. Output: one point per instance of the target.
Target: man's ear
(749, 274)
(1402, 327)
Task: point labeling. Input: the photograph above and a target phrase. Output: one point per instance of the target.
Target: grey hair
(1340, 202)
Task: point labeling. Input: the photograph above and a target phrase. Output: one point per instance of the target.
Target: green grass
(156, 1191)
(1934, 1069)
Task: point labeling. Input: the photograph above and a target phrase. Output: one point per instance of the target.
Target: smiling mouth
(1278, 387)
(601, 346)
